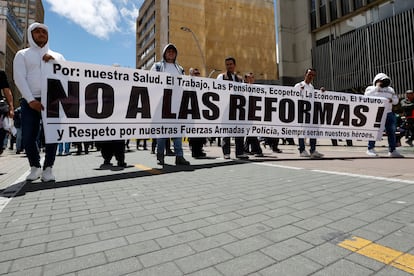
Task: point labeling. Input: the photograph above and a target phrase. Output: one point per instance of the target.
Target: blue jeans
(30, 132)
(312, 143)
(60, 147)
(390, 128)
(178, 146)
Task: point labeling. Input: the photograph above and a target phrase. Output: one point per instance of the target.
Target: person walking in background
(252, 143)
(169, 64)
(230, 75)
(381, 88)
(27, 76)
(196, 143)
(306, 85)
(407, 104)
(63, 149)
(17, 119)
(110, 149)
(6, 106)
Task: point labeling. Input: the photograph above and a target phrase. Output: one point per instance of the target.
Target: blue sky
(93, 31)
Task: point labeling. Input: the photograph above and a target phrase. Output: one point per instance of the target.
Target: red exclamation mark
(380, 112)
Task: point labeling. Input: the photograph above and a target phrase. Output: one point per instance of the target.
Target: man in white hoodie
(27, 67)
(381, 88)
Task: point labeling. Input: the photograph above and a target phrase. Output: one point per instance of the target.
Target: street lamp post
(186, 29)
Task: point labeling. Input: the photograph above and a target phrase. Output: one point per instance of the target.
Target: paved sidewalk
(276, 215)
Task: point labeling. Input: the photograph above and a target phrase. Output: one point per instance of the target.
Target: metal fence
(350, 62)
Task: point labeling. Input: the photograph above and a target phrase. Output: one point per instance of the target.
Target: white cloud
(100, 18)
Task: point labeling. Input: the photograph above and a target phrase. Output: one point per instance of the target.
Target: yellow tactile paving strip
(383, 254)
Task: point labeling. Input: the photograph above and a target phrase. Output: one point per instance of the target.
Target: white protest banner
(89, 102)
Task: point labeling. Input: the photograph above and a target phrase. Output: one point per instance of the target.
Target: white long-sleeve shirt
(27, 67)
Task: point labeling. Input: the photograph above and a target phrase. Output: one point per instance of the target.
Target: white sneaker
(227, 156)
(316, 155)
(372, 153)
(47, 175)
(34, 174)
(395, 154)
(304, 153)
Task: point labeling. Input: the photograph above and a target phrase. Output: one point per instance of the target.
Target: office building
(207, 31)
(347, 41)
(13, 18)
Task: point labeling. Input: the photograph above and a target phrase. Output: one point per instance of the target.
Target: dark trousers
(113, 148)
(196, 145)
(239, 142)
(253, 145)
(30, 133)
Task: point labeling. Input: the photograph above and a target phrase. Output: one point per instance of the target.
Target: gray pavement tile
(4, 267)
(211, 242)
(251, 219)
(195, 215)
(132, 250)
(290, 267)
(245, 264)
(344, 268)
(247, 245)
(211, 271)
(369, 215)
(70, 226)
(71, 242)
(383, 227)
(391, 271)
(74, 264)
(398, 241)
(180, 238)
(94, 229)
(286, 249)
(46, 238)
(99, 246)
(167, 269)
(281, 221)
(160, 223)
(365, 261)
(283, 233)
(187, 226)
(312, 222)
(37, 271)
(9, 245)
(223, 217)
(166, 255)
(326, 253)
(148, 235)
(218, 228)
(319, 236)
(347, 224)
(120, 232)
(41, 259)
(135, 221)
(120, 267)
(21, 252)
(203, 260)
(250, 230)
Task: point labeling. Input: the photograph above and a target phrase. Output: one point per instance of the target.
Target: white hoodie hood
(384, 92)
(28, 63)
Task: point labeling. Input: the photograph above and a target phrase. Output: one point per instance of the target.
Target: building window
(313, 15)
(345, 7)
(357, 4)
(322, 12)
(333, 9)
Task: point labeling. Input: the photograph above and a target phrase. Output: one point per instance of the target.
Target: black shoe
(160, 159)
(242, 156)
(179, 160)
(122, 164)
(170, 153)
(199, 155)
